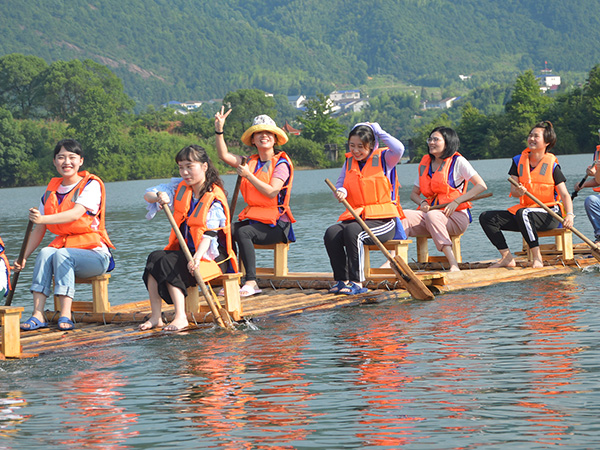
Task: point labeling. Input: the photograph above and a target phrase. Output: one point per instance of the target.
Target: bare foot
(150, 323)
(454, 269)
(177, 325)
(505, 262)
(537, 264)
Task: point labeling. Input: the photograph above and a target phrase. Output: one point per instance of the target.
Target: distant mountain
(198, 50)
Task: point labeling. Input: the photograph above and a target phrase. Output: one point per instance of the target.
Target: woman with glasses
(441, 192)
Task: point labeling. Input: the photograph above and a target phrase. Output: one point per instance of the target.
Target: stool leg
(422, 250)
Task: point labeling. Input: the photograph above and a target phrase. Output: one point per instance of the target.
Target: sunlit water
(512, 365)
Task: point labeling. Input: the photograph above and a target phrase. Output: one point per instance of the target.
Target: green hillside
(197, 50)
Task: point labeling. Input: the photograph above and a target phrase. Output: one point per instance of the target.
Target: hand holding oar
(580, 185)
(594, 248)
(477, 197)
(236, 192)
(403, 272)
(216, 312)
(15, 277)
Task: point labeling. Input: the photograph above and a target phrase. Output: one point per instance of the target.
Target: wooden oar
(15, 277)
(477, 197)
(217, 313)
(575, 193)
(594, 248)
(403, 272)
(236, 192)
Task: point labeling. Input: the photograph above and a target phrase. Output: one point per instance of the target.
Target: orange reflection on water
(97, 421)
(382, 353)
(227, 399)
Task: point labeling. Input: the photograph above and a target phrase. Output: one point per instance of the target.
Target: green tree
(20, 84)
(527, 102)
(245, 105)
(473, 132)
(13, 149)
(198, 124)
(317, 123)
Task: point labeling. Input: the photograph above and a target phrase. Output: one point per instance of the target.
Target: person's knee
(592, 202)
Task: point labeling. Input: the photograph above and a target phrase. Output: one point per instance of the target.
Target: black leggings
(526, 220)
(246, 234)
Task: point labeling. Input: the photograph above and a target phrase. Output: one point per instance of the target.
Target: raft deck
(292, 294)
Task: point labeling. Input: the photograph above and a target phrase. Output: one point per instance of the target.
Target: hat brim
(281, 137)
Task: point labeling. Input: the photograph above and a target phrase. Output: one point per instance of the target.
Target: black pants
(344, 243)
(526, 220)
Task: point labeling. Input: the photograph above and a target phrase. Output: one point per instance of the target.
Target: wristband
(570, 214)
(219, 132)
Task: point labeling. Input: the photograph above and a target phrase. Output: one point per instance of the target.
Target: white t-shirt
(463, 171)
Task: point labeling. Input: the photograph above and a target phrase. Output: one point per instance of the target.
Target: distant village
(344, 101)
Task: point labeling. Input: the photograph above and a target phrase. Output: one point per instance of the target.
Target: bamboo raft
(283, 295)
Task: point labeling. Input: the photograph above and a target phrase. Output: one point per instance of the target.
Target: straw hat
(264, 123)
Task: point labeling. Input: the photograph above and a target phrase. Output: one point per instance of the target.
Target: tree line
(42, 103)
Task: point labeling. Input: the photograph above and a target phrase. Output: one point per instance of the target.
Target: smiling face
(358, 148)
(264, 140)
(436, 144)
(536, 141)
(193, 173)
(67, 164)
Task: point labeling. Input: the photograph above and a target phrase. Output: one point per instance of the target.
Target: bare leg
(155, 319)
(506, 260)
(447, 250)
(536, 256)
(65, 309)
(39, 300)
(180, 320)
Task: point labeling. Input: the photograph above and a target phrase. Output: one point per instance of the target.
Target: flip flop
(69, 322)
(337, 287)
(34, 324)
(247, 291)
(353, 289)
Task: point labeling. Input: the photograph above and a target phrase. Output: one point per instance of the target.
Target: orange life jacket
(6, 263)
(437, 187)
(369, 190)
(259, 207)
(597, 157)
(79, 233)
(539, 181)
(196, 222)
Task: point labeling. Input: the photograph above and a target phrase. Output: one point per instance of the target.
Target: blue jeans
(592, 208)
(65, 264)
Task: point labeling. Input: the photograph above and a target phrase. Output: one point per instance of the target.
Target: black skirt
(169, 266)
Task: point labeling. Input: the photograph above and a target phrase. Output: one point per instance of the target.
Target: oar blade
(414, 285)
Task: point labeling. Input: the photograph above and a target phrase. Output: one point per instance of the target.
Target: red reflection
(228, 399)
(96, 418)
(383, 353)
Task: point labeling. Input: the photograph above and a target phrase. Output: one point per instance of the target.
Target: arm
(415, 196)
(71, 215)
(478, 188)
(567, 203)
(222, 150)
(270, 189)
(396, 148)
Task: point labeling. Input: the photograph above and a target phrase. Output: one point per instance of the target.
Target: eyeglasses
(434, 140)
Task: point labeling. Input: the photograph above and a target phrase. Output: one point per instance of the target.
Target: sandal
(69, 322)
(337, 287)
(33, 324)
(353, 289)
(247, 291)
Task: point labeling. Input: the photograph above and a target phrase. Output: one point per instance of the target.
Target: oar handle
(477, 197)
(236, 191)
(575, 193)
(15, 277)
(215, 311)
(582, 236)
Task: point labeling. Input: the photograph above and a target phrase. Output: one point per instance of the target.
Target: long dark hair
(197, 153)
(451, 140)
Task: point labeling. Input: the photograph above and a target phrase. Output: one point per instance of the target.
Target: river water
(508, 365)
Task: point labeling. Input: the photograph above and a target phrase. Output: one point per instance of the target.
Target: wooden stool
(280, 260)
(423, 250)
(10, 318)
(99, 303)
(563, 241)
(231, 289)
(398, 246)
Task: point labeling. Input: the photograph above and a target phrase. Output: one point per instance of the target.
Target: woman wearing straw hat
(266, 186)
